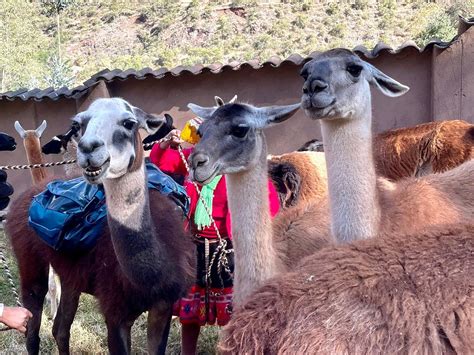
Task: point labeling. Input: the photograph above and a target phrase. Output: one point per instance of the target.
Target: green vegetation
(63, 42)
(88, 334)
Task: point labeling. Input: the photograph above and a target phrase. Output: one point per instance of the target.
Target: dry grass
(88, 334)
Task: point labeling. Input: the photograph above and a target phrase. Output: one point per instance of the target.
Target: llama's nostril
(318, 86)
(200, 160)
(88, 147)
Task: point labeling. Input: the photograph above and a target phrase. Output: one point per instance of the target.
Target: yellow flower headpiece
(189, 133)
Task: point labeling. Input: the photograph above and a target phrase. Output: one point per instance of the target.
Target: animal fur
(313, 145)
(432, 147)
(31, 141)
(96, 272)
(411, 294)
(427, 148)
(299, 177)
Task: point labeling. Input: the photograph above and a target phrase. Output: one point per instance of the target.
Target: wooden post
(467, 83)
(446, 75)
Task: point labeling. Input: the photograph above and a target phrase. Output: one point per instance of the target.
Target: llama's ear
(232, 100)
(202, 112)
(169, 120)
(75, 128)
(21, 131)
(151, 123)
(40, 130)
(77, 119)
(219, 101)
(386, 84)
(275, 114)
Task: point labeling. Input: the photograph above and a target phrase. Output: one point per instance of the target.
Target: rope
(10, 278)
(63, 162)
(12, 284)
(36, 166)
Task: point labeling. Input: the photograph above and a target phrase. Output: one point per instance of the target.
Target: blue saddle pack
(70, 215)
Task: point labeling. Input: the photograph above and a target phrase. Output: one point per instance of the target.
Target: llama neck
(34, 156)
(255, 256)
(355, 211)
(72, 170)
(132, 230)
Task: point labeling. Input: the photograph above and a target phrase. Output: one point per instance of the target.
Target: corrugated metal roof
(275, 61)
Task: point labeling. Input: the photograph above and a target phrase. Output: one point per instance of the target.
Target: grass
(88, 333)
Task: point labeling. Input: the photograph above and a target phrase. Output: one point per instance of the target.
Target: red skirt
(193, 308)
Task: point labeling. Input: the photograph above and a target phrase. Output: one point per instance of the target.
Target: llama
(299, 177)
(411, 294)
(127, 278)
(336, 91)
(426, 148)
(59, 144)
(313, 145)
(167, 127)
(232, 143)
(402, 291)
(416, 151)
(31, 141)
(66, 144)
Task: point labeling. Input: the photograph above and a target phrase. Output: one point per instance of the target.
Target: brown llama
(31, 141)
(407, 152)
(299, 177)
(432, 147)
(32, 144)
(410, 294)
(146, 267)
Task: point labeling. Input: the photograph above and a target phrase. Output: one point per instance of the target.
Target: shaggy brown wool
(299, 177)
(416, 151)
(440, 198)
(394, 294)
(33, 153)
(300, 231)
(423, 149)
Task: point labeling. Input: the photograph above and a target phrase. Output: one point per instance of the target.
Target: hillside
(63, 42)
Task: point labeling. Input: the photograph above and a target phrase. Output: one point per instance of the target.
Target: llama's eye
(239, 131)
(83, 127)
(304, 73)
(354, 70)
(128, 124)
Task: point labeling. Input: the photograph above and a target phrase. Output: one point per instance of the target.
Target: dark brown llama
(157, 272)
